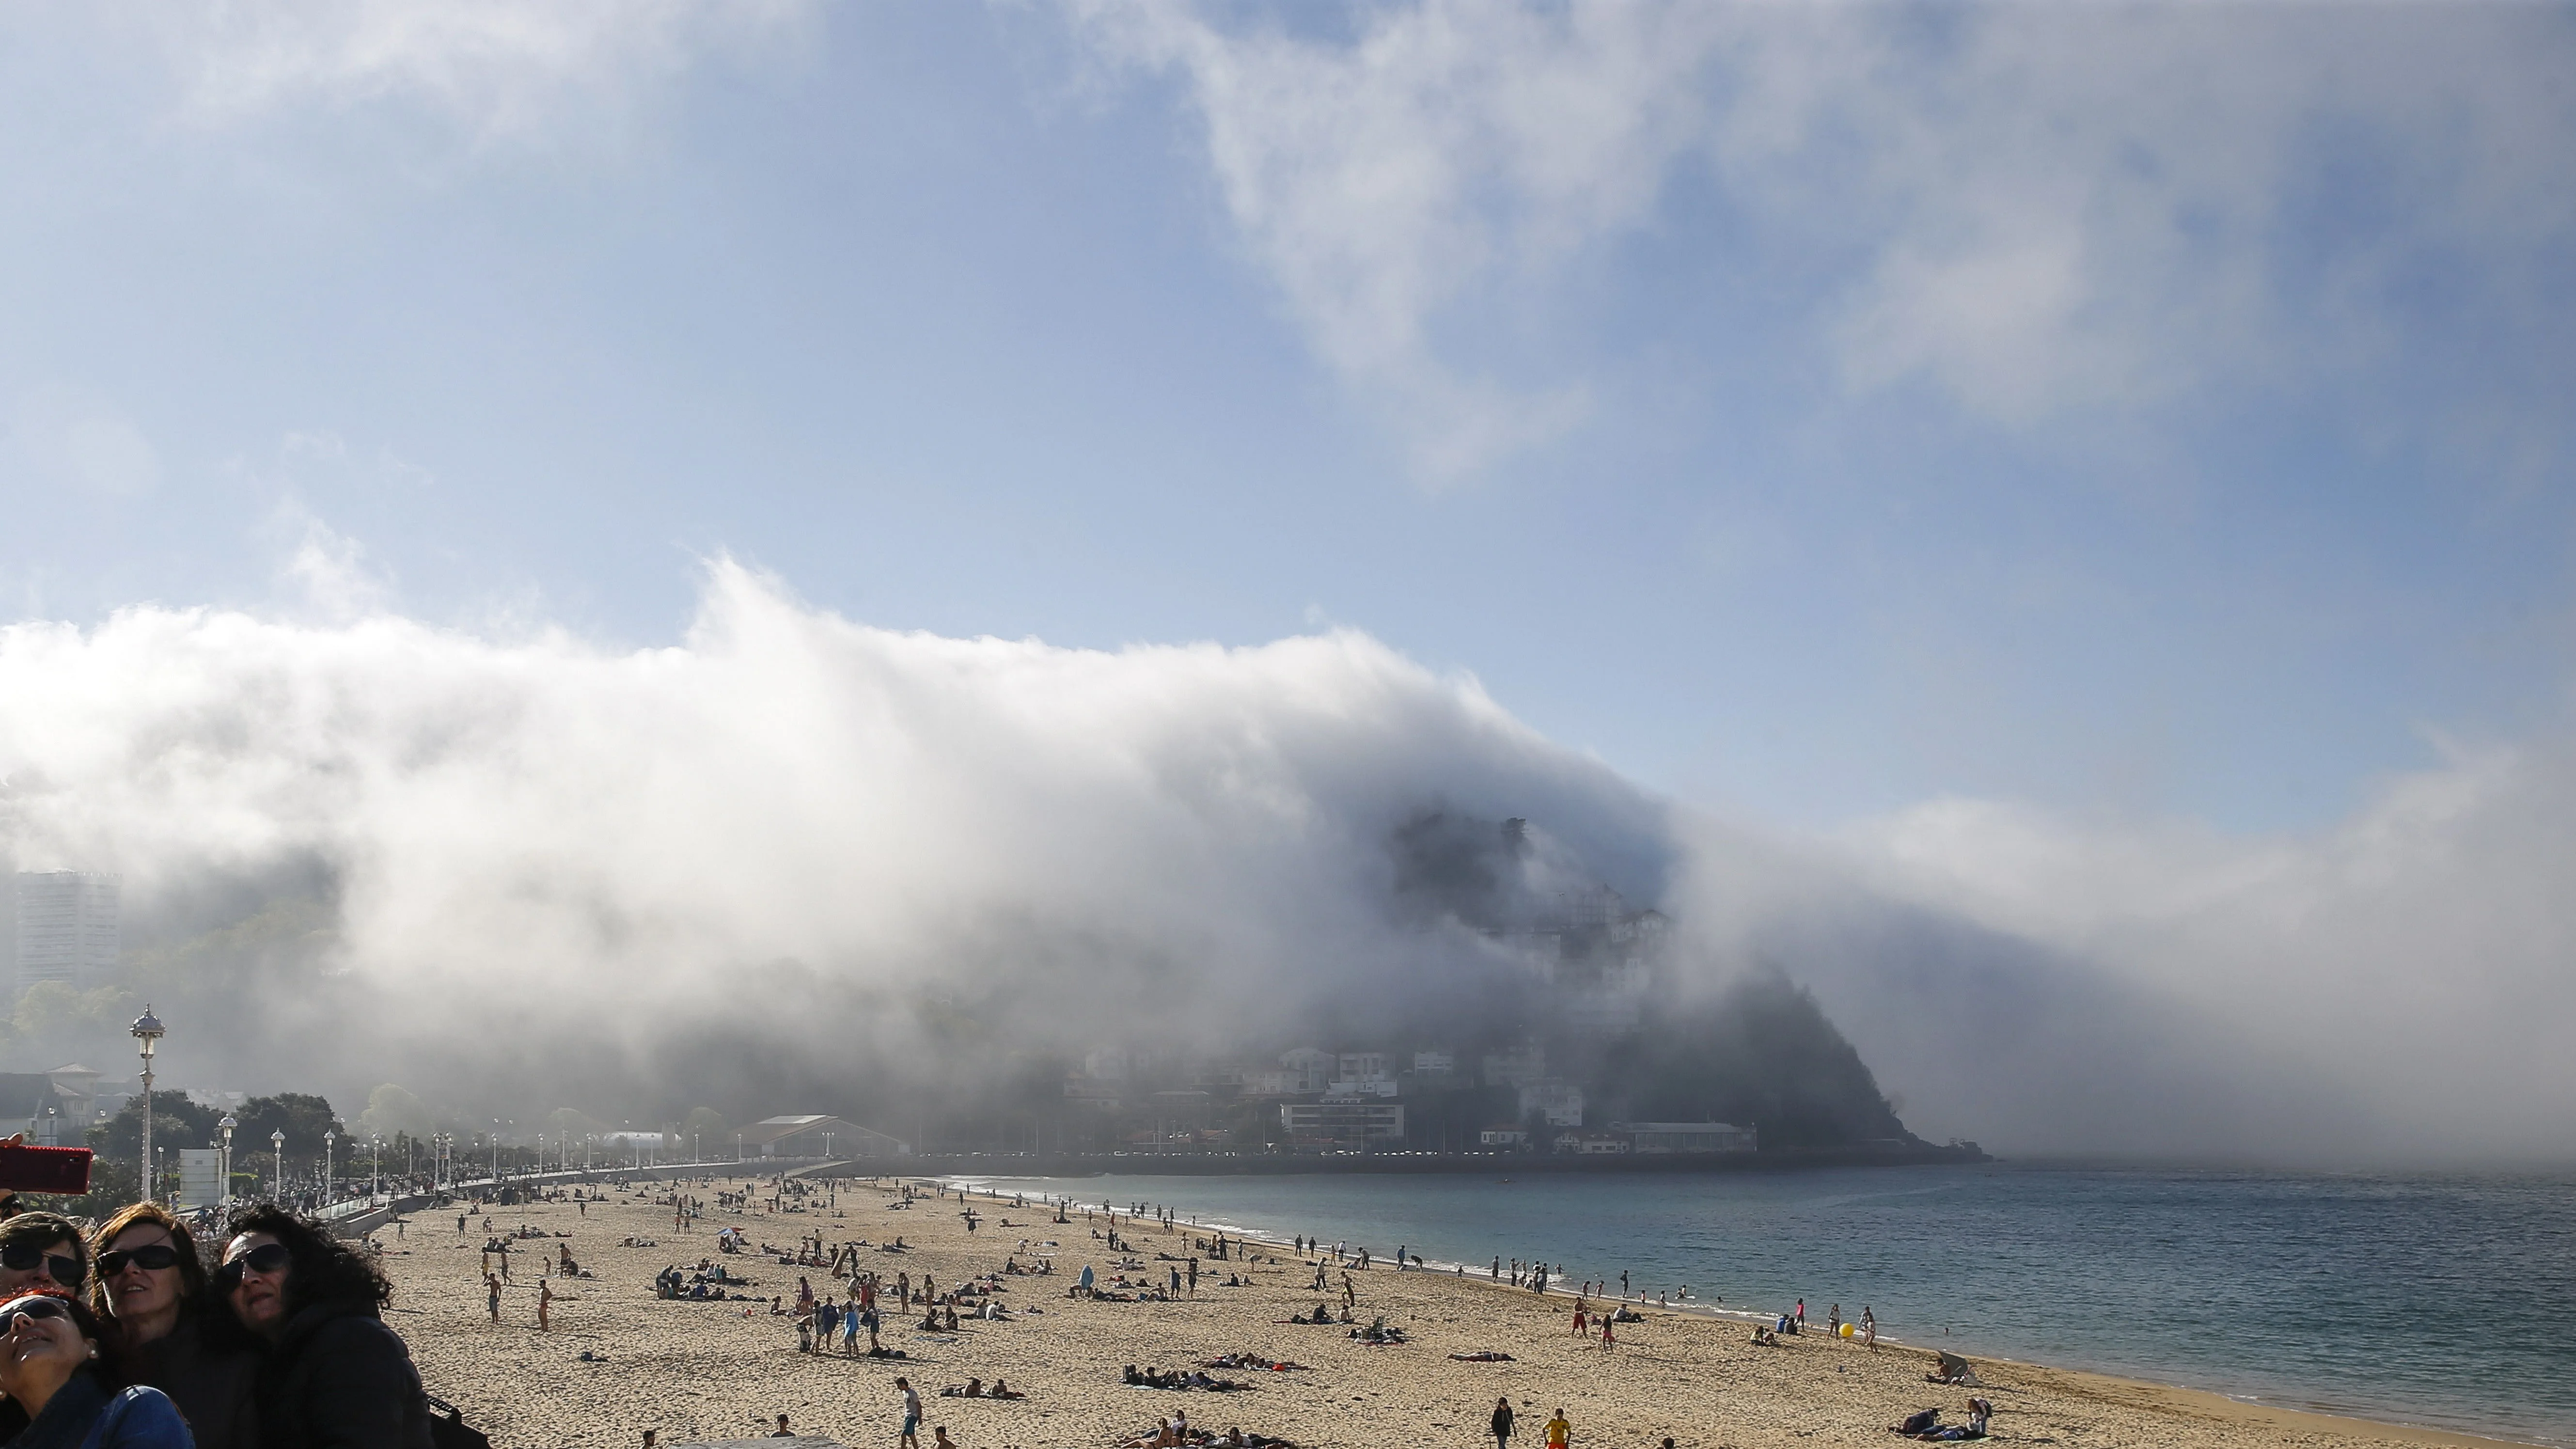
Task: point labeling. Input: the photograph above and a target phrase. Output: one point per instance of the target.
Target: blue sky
(2143, 413)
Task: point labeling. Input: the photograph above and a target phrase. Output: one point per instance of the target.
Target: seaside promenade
(618, 1360)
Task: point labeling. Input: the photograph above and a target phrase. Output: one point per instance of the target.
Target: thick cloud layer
(550, 836)
(380, 850)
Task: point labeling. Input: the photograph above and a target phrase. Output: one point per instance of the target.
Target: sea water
(2435, 1300)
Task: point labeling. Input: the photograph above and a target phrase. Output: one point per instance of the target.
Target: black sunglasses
(35, 1306)
(19, 1257)
(266, 1258)
(154, 1256)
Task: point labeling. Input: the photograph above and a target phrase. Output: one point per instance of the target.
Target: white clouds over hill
(599, 837)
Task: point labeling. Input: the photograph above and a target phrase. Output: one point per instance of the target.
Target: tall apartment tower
(67, 928)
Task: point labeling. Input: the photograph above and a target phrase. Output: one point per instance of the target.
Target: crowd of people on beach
(124, 1337)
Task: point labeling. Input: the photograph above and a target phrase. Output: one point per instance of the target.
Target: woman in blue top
(49, 1365)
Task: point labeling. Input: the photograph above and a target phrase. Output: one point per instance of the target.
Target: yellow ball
(1847, 1330)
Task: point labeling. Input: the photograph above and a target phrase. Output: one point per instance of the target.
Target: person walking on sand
(1868, 1327)
(1503, 1423)
(545, 1305)
(1802, 1315)
(1608, 1339)
(492, 1296)
(910, 1438)
(1560, 1434)
(1578, 1318)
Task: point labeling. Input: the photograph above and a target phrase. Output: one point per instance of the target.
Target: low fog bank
(799, 864)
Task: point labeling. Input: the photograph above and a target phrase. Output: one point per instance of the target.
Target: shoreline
(1298, 1164)
(618, 1360)
(2182, 1397)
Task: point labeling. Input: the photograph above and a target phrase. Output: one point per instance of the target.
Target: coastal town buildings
(1574, 973)
(66, 928)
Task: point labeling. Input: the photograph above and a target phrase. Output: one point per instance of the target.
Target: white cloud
(599, 837)
(627, 826)
(2035, 210)
(2422, 952)
(498, 67)
(1386, 180)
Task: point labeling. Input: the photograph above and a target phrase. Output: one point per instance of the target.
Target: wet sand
(706, 1370)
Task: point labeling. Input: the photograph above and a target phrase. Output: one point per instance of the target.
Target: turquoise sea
(2435, 1300)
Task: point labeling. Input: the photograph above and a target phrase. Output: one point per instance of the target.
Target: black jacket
(210, 1377)
(338, 1378)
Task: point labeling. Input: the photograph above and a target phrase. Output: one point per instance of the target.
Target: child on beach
(1559, 1432)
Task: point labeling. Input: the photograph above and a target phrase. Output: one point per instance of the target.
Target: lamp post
(226, 1127)
(147, 1030)
(277, 1139)
(328, 1137)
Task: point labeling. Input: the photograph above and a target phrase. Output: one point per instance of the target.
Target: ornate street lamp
(147, 1030)
(277, 1139)
(328, 1137)
(226, 1126)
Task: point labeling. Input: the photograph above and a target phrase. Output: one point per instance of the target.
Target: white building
(1343, 1124)
(67, 928)
(1517, 1067)
(1272, 1082)
(1435, 1063)
(1352, 1088)
(1313, 1066)
(1560, 1102)
(1355, 1065)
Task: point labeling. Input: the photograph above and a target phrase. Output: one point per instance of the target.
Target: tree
(176, 1122)
(708, 1128)
(301, 1116)
(393, 1110)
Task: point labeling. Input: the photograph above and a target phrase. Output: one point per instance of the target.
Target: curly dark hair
(321, 1268)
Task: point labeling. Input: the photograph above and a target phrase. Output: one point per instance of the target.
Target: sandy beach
(708, 1370)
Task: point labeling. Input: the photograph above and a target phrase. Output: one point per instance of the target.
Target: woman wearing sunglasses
(151, 1291)
(334, 1376)
(37, 1251)
(50, 1367)
(40, 1250)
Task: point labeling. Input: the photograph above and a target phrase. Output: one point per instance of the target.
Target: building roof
(778, 1129)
